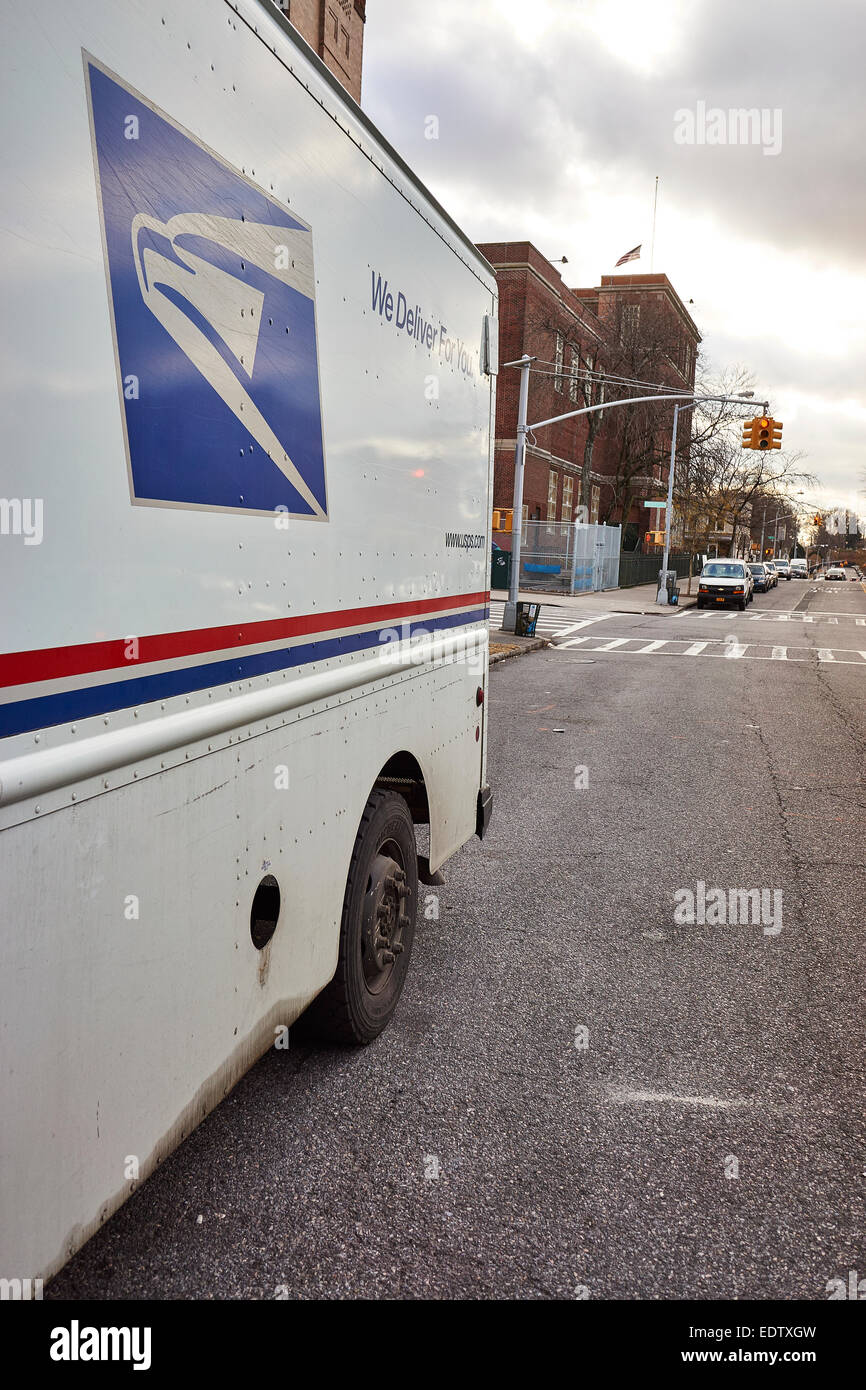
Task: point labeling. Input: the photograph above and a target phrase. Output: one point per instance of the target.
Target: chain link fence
(569, 556)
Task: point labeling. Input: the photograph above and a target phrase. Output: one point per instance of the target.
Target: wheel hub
(385, 918)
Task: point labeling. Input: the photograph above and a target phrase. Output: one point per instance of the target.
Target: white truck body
(248, 377)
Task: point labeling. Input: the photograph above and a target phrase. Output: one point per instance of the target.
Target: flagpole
(653, 242)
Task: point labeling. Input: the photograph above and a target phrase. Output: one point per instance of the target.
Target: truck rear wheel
(376, 930)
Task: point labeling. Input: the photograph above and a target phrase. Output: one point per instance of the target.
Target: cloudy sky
(555, 116)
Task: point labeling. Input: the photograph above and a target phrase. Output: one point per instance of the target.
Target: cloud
(555, 117)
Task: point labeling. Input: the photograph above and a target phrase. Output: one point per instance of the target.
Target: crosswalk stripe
(615, 642)
(651, 647)
(695, 649)
(584, 622)
(824, 654)
(737, 650)
(780, 653)
(573, 642)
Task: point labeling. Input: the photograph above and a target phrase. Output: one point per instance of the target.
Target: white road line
(615, 642)
(654, 649)
(824, 654)
(695, 649)
(861, 622)
(736, 651)
(833, 620)
(584, 622)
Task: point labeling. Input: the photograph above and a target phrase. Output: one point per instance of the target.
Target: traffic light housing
(762, 433)
(817, 519)
(502, 519)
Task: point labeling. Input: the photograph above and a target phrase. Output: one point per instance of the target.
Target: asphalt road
(581, 1096)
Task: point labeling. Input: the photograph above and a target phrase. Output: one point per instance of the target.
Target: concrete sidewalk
(640, 599)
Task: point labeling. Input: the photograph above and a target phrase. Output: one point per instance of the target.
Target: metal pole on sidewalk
(509, 617)
(662, 595)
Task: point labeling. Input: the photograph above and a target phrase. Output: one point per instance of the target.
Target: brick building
(335, 30)
(629, 325)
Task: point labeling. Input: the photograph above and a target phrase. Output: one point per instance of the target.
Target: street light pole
(669, 508)
(509, 617)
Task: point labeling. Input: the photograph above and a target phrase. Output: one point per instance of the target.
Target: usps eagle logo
(212, 293)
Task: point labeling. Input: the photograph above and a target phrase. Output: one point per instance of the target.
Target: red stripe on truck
(51, 663)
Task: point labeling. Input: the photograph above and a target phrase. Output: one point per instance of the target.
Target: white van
(248, 457)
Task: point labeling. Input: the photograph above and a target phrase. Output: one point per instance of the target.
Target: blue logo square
(212, 292)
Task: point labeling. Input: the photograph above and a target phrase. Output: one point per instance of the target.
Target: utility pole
(509, 617)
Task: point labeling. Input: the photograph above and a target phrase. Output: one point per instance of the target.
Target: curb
(534, 644)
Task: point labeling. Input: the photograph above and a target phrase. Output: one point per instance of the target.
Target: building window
(573, 375)
(596, 497)
(552, 487)
(589, 393)
(630, 322)
(567, 496)
(558, 380)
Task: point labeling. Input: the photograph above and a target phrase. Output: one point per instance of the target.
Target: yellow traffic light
(502, 519)
(817, 519)
(762, 433)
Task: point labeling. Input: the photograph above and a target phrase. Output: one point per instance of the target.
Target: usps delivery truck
(248, 379)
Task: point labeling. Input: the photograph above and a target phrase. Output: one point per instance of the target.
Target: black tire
(700, 603)
(379, 908)
(741, 604)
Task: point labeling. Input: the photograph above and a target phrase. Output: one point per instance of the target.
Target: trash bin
(527, 617)
(500, 569)
(668, 582)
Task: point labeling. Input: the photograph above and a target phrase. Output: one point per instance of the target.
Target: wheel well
(402, 774)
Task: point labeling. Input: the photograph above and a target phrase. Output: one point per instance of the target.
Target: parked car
(761, 577)
(799, 569)
(770, 567)
(725, 581)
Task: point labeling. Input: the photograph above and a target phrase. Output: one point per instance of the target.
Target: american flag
(629, 256)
